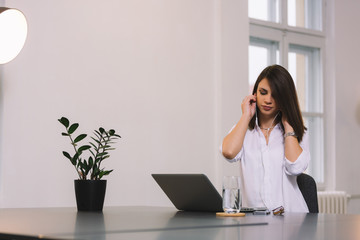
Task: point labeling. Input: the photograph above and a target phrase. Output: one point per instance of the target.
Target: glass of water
(231, 194)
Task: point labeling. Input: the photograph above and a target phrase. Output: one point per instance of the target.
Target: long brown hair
(284, 93)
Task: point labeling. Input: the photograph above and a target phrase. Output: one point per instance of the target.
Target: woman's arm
(297, 155)
(292, 146)
(301, 163)
(233, 142)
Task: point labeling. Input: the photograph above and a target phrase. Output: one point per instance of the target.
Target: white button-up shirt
(267, 177)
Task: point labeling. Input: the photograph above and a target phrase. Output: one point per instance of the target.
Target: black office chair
(308, 189)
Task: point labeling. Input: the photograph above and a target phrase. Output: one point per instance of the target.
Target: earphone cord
(268, 129)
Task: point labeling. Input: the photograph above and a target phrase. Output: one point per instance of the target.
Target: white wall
(167, 75)
(347, 54)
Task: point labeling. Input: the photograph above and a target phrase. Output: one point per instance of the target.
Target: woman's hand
(248, 106)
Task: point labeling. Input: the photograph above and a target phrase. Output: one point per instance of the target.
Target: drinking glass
(231, 194)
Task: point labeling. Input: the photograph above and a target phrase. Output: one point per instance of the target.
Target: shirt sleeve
(301, 164)
(236, 158)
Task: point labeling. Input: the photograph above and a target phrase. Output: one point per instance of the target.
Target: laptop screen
(190, 192)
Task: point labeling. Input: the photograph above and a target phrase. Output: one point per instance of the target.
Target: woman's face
(265, 101)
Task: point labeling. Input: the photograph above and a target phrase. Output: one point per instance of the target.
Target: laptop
(190, 192)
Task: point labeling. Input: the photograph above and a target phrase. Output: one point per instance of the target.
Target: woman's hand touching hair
(248, 106)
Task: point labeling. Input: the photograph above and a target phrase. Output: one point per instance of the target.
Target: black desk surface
(167, 223)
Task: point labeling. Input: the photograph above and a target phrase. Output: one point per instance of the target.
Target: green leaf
(95, 140)
(80, 137)
(92, 153)
(102, 154)
(88, 167)
(101, 130)
(91, 161)
(64, 134)
(83, 148)
(64, 121)
(83, 167)
(74, 159)
(67, 155)
(111, 132)
(98, 135)
(108, 172)
(95, 168)
(104, 173)
(106, 133)
(83, 175)
(95, 173)
(72, 128)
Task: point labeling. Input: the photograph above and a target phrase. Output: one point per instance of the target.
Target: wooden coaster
(224, 214)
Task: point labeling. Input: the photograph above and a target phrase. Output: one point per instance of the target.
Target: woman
(271, 143)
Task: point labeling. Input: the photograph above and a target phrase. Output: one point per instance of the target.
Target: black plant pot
(90, 194)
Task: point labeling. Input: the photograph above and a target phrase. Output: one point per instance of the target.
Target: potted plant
(89, 188)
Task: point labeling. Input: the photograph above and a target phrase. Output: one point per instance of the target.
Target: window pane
(305, 14)
(304, 67)
(315, 130)
(262, 53)
(267, 10)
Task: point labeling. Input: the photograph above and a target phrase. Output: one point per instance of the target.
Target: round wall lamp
(13, 31)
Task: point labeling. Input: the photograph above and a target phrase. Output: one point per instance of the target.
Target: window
(304, 65)
(290, 33)
(262, 52)
(305, 14)
(268, 12)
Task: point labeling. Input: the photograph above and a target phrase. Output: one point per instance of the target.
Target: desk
(166, 223)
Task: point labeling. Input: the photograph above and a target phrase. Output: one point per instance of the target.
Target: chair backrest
(307, 186)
